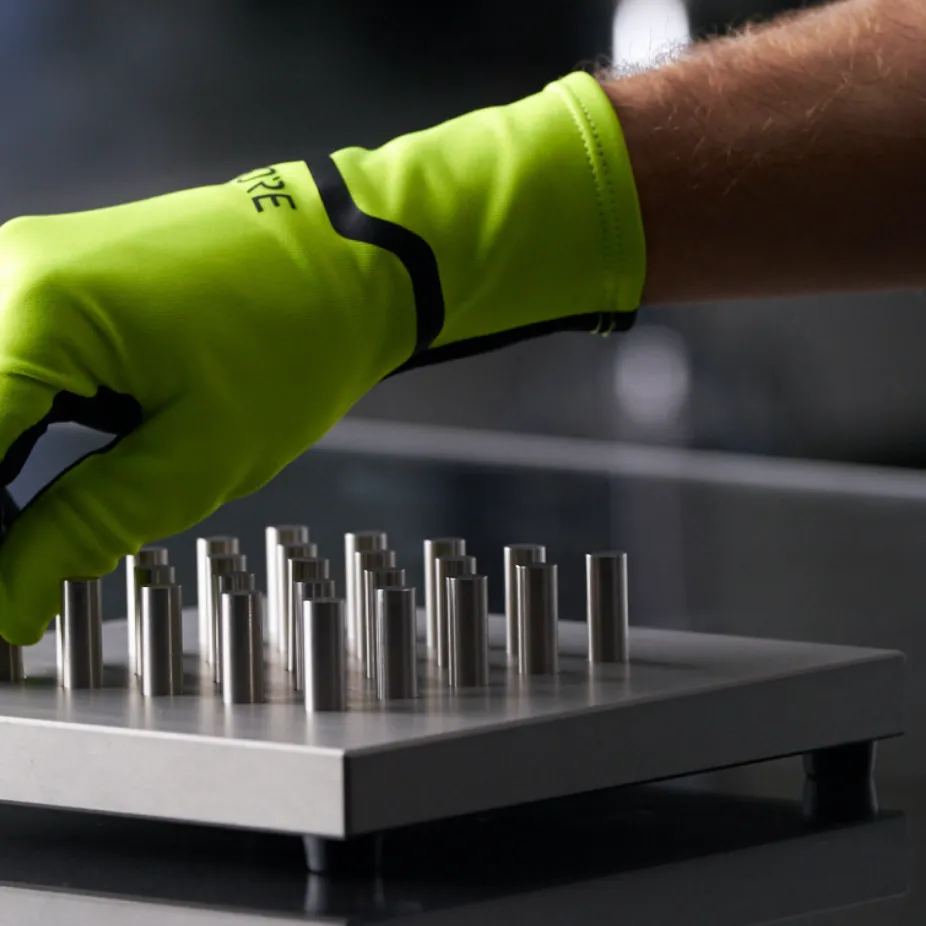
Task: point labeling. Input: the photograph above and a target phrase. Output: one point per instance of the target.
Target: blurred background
(107, 102)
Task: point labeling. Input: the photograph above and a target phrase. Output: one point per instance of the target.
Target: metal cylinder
(468, 614)
(517, 554)
(397, 644)
(236, 582)
(11, 662)
(300, 593)
(606, 607)
(161, 640)
(274, 536)
(242, 648)
(380, 577)
(80, 634)
(218, 566)
(433, 549)
(299, 568)
(363, 560)
(206, 547)
(146, 556)
(324, 651)
(147, 575)
(356, 542)
(447, 567)
(286, 552)
(538, 613)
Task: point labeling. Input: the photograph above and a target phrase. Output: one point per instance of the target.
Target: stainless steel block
(357, 542)
(445, 568)
(286, 552)
(80, 634)
(397, 669)
(242, 648)
(274, 536)
(300, 593)
(538, 614)
(206, 547)
(517, 554)
(299, 569)
(219, 565)
(161, 640)
(363, 560)
(606, 607)
(381, 577)
(146, 556)
(433, 549)
(146, 575)
(468, 600)
(324, 654)
(11, 662)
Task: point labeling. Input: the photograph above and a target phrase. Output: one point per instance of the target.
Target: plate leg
(354, 855)
(840, 783)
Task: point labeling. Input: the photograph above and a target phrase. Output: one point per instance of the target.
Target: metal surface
(80, 635)
(363, 560)
(446, 567)
(206, 547)
(468, 599)
(378, 766)
(147, 575)
(219, 565)
(242, 648)
(373, 579)
(11, 662)
(517, 554)
(300, 593)
(538, 618)
(274, 536)
(236, 582)
(397, 644)
(357, 542)
(299, 569)
(161, 640)
(606, 607)
(442, 546)
(147, 556)
(286, 552)
(324, 655)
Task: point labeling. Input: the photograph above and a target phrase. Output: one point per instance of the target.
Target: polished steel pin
(517, 554)
(445, 568)
(397, 644)
(162, 640)
(146, 556)
(206, 547)
(324, 651)
(357, 542)
(538, 597)
(363, 560)
(468, 600)
(606, 607)
(242, 648)
(80, 634)
(433, 549)
(274, 536)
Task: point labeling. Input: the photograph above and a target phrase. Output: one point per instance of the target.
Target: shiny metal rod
(538, 613)
(218, 566)
(324, 651)
(357, 542)
(517, 554)
(147, 575)
(299, 569)
(606, 607)
(433, 549)
(146, 556)
(11, 662)
(468, 600)
(161, 640)
(274, 536)
(206, 547)
(300, 593)
(80, 634)
(286, 552)
(445, 568)
(381, 577)
(242, 648)
(397, 644)
(363, 560)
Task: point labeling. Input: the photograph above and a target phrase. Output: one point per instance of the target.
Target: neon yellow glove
(218, 332)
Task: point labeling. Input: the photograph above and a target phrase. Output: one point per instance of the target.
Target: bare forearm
(787, 160)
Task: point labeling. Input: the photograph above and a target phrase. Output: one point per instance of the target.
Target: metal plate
(687, 703)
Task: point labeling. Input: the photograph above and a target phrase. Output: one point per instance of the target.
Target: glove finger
(159, 480)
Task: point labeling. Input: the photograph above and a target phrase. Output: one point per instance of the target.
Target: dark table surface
(790, 550)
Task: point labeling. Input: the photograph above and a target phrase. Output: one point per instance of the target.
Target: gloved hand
(220, 331)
